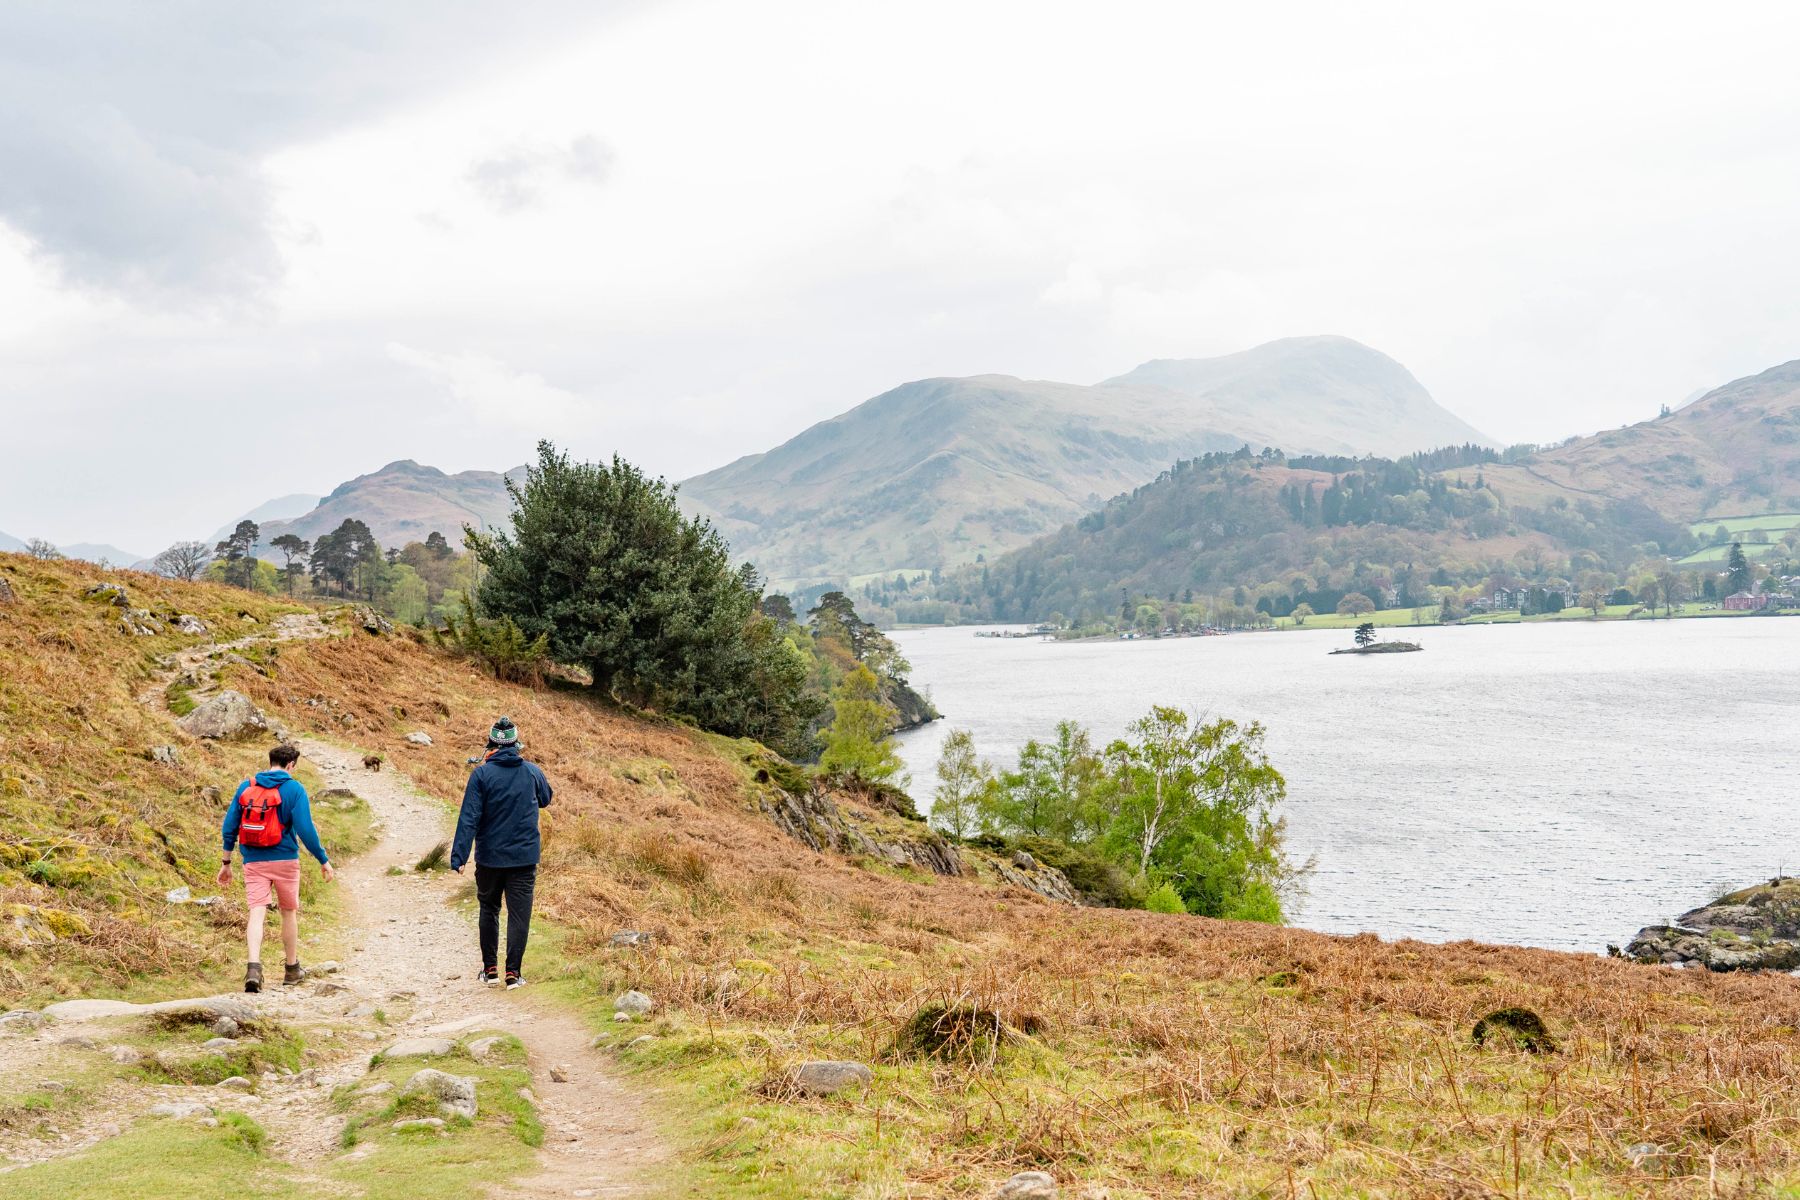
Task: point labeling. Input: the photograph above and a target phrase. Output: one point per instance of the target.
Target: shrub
(1165, 899)
(1101, 882)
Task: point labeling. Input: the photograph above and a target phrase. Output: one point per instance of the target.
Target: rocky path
(597, 1135)
(410, 972)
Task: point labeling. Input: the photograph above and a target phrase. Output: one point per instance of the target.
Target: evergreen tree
(238, 554)
(602, 561)
(1738, 576)
(293, 549)
(1365, 634)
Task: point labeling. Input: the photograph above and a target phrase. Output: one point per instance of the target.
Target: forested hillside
(1279, 532)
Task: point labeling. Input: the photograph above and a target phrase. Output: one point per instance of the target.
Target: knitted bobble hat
(504, 733)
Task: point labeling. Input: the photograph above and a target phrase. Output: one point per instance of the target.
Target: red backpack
(259, 821)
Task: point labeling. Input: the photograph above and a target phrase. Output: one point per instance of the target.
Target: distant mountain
(405, 502)
(946, 471)
(95, 552)
(87, 551)
(283, 508)
(1735, 450)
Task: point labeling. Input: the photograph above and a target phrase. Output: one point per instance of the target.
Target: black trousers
(514, 885)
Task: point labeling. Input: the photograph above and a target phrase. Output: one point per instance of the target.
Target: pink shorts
(283, 878)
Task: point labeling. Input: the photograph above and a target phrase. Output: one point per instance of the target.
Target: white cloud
(487, 393)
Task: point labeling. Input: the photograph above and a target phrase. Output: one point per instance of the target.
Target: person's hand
(459, 870)
(225, 875)
(328, 871)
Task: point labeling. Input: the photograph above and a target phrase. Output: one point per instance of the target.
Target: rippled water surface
(1547, 785)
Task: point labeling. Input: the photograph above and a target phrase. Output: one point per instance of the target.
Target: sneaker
(253, 977)
(514, 980)
(292, 975)
(490, 976)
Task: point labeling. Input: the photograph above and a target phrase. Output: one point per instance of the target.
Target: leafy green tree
(964, 782)
(1365, 634)
(857, 744)
(602, 561)
(1195, 803)
(1738, 576)
(238, 554)
(1301, 611)
(1355, 604)
(1056, 789)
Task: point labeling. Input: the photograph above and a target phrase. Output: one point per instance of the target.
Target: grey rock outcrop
(109, 593)
(455, 1093)
(168, 756)
(20, 1019)
(188, 623)
(1039, 877)
(367, 619)
(7, 595)
(140, 622)
(204, 1010)
(819, 822)
(420, 1047)
(1756, 929)
(227, 715)
(418, 738)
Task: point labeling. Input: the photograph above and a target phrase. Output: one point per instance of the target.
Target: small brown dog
(372, 761)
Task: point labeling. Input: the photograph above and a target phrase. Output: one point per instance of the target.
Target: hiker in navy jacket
(499, 819)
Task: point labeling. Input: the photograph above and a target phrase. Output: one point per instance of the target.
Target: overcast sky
(247, 250)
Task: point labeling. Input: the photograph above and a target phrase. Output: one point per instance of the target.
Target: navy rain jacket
(500, 812)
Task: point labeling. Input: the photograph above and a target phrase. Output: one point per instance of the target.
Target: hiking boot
(292, 975)
(490, 976)
(514, 980)
(253, 977)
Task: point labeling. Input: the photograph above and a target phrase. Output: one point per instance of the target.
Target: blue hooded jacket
(296, 819)
(500, 812)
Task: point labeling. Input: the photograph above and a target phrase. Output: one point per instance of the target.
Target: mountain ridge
(947, 470)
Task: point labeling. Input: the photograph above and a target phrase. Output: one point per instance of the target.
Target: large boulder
(227, 715)
(633, 1004)
(454, 1093)
(188, 623)
(7, 595)
(827, 1078)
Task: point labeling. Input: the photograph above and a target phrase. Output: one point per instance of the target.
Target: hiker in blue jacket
(499, 820)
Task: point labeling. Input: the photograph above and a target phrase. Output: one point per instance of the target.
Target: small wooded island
(1366, 643)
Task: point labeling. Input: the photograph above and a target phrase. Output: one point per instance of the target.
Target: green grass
(1386, 618)
(1718, 554)
(1774, 523)
(162, 1160)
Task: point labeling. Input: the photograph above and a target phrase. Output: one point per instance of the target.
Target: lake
(1553, 785)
